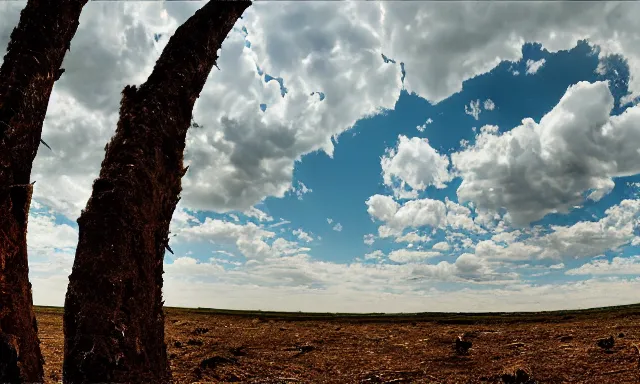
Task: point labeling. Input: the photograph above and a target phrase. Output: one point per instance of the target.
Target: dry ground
(213, 346)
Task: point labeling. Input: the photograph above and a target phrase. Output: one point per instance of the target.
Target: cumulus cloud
(250, 239)
(441, 246)
(337, 227)
(369, 239)
(534, 66)
(375, 255)
(414, 164)
(414, 213)
(583, 239)
(255, 213)
(409, 256)
(301, 190)
(418, 213)
(489, 105)
(540, 168)
(473, 109)
(422, 127)
(302, 235)
(498, 35)
(412, 237)
(617, 266)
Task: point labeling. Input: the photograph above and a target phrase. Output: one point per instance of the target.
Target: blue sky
(340, 185)
(376, 162)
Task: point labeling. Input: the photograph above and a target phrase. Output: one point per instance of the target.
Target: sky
(371, 156)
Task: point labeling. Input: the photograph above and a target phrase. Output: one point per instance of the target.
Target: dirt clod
(566, 338)
(238, 351)
(196, 342)
(606, 343)
(214, 361)
(517, 376)
(461, 346)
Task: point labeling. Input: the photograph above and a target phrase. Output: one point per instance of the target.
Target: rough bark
(113, 320)
(30, 68)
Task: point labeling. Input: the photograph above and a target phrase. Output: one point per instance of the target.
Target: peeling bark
(30, 67)
(113, 320)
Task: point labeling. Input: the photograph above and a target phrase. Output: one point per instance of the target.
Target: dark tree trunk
(30, 67)
(113, 319)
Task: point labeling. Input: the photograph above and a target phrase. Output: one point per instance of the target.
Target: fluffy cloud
(422, 127)
(412, 237)
(302, 235)
(539, 168)
(489, 105)
(473, 109)
(534, 66)
(416, 32)
(248, 238)
(257, 214)
(337, 227)
(375, 255)
(419, 213)
(583, 239)
(412, 214)
(441, 246)
(410, 256)
(369, 239)
(414, 164)
(301, 190)
(617, 266)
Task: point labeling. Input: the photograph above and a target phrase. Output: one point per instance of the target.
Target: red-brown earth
(260, 347)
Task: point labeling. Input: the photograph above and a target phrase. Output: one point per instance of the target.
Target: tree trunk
(113, 319)
(30, 67)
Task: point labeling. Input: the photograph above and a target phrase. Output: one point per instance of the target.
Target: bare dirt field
(216, 346)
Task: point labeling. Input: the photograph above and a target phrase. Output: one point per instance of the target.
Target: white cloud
(422, 127)
(410, 256)
(248, 238)
(535, 169)
(337, 227)
(412, 237)
(534, 66)
(473, 109)
(301, 190)
(375, 255)
(281, 222)
(302, 235)
(581, 240)
(414, 164)
(506, 237)
(329, 220)
(44, 235)
(257, 214)
(617, 266)
(369, 239)
(489, 105)
(412, 214)
(441, 246)
(419, 213)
